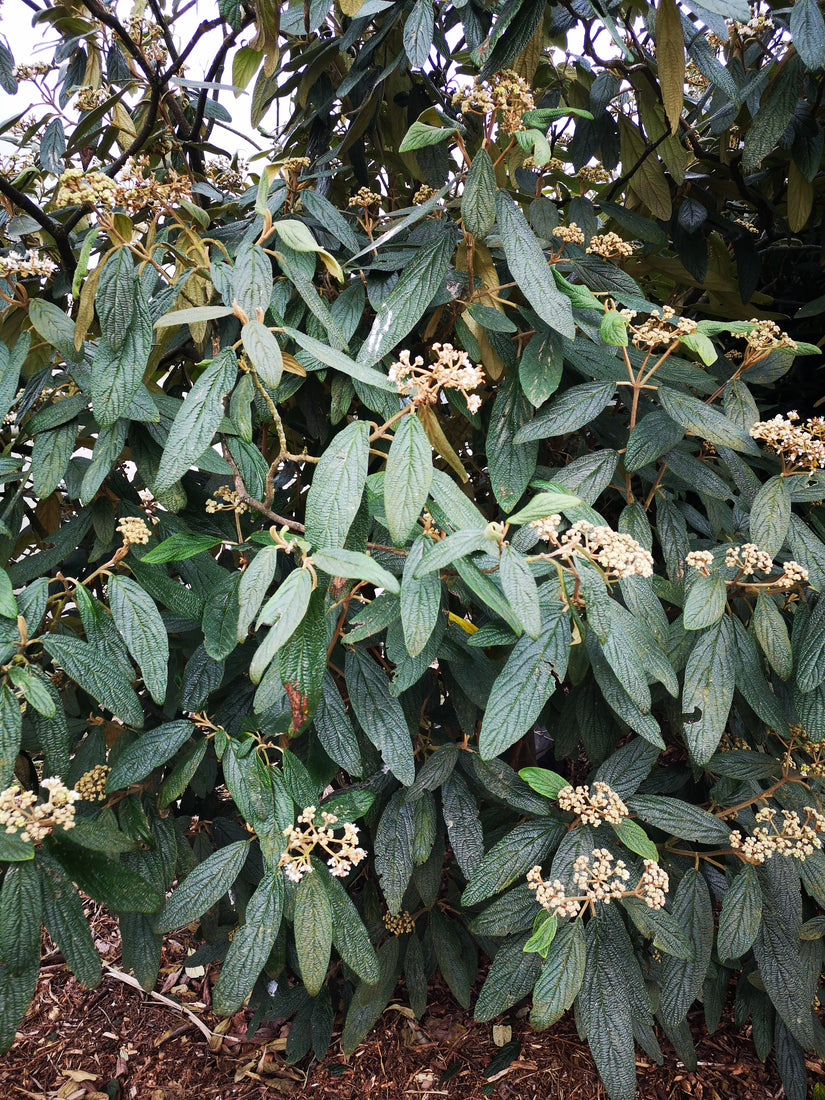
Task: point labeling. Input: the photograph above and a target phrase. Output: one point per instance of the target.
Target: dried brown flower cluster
(593, 804)
(303, 838)
(506, 94)
(228, 501)
(32, 71)
(792, 837)
(594, 173)
(135, 189)
(730, 743)
(610, 245)
(570, 234)
(26, 265)
(659, 330)
(150, 37)
(799, 446)
(695, 81)
(88, 97)
(91, 787)
(20, 811)
(423, 194)
(365, 198)
(134, 531)
(226, 174)
(599, 877)
(399, 923)
(452, 370)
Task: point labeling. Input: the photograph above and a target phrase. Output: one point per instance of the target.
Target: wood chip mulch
(118, 1043)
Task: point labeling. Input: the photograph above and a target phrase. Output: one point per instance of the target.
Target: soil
(119, 1043)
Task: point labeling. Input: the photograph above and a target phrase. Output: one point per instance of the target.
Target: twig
(127, 979)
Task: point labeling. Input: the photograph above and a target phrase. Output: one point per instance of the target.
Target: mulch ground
(118, 1043)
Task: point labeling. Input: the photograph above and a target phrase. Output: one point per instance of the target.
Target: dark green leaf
(741, 914)
(380, 714)
(203, 886)
(530, 270)
(251, 945)
(408, 476)
(337, 487)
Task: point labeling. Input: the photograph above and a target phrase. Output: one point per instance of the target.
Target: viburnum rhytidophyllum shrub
(408, 566)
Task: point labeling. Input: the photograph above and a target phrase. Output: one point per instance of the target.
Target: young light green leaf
(283, 613)
(264, 352)
(636, 839)
(356, 566)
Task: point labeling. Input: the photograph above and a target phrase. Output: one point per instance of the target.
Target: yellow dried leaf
(292, 365)
(439, 441)
(670, 57)
(648, 179)
(800, 199)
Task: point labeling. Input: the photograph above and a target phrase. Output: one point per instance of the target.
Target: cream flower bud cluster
(452, 370)
(595, 173)
(749, 559)
(20, 811)
(136, 188)
(660, 329)
(423, 194)
(700, 560)
(570, 234)
(599, 877)
(506, 92)
(609, 245)
(399, 923)
(305, 836)
(134, 531)
(88, 97)
(91, 787)
(593, 804)
(228, 501)
(790, 837)
(797, 445)
(32, 71)
(548, 526)
(364, 197)
(765, 336)
(620, 555)
(26, 265)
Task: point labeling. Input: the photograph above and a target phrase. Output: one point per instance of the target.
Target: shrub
(392, 578)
